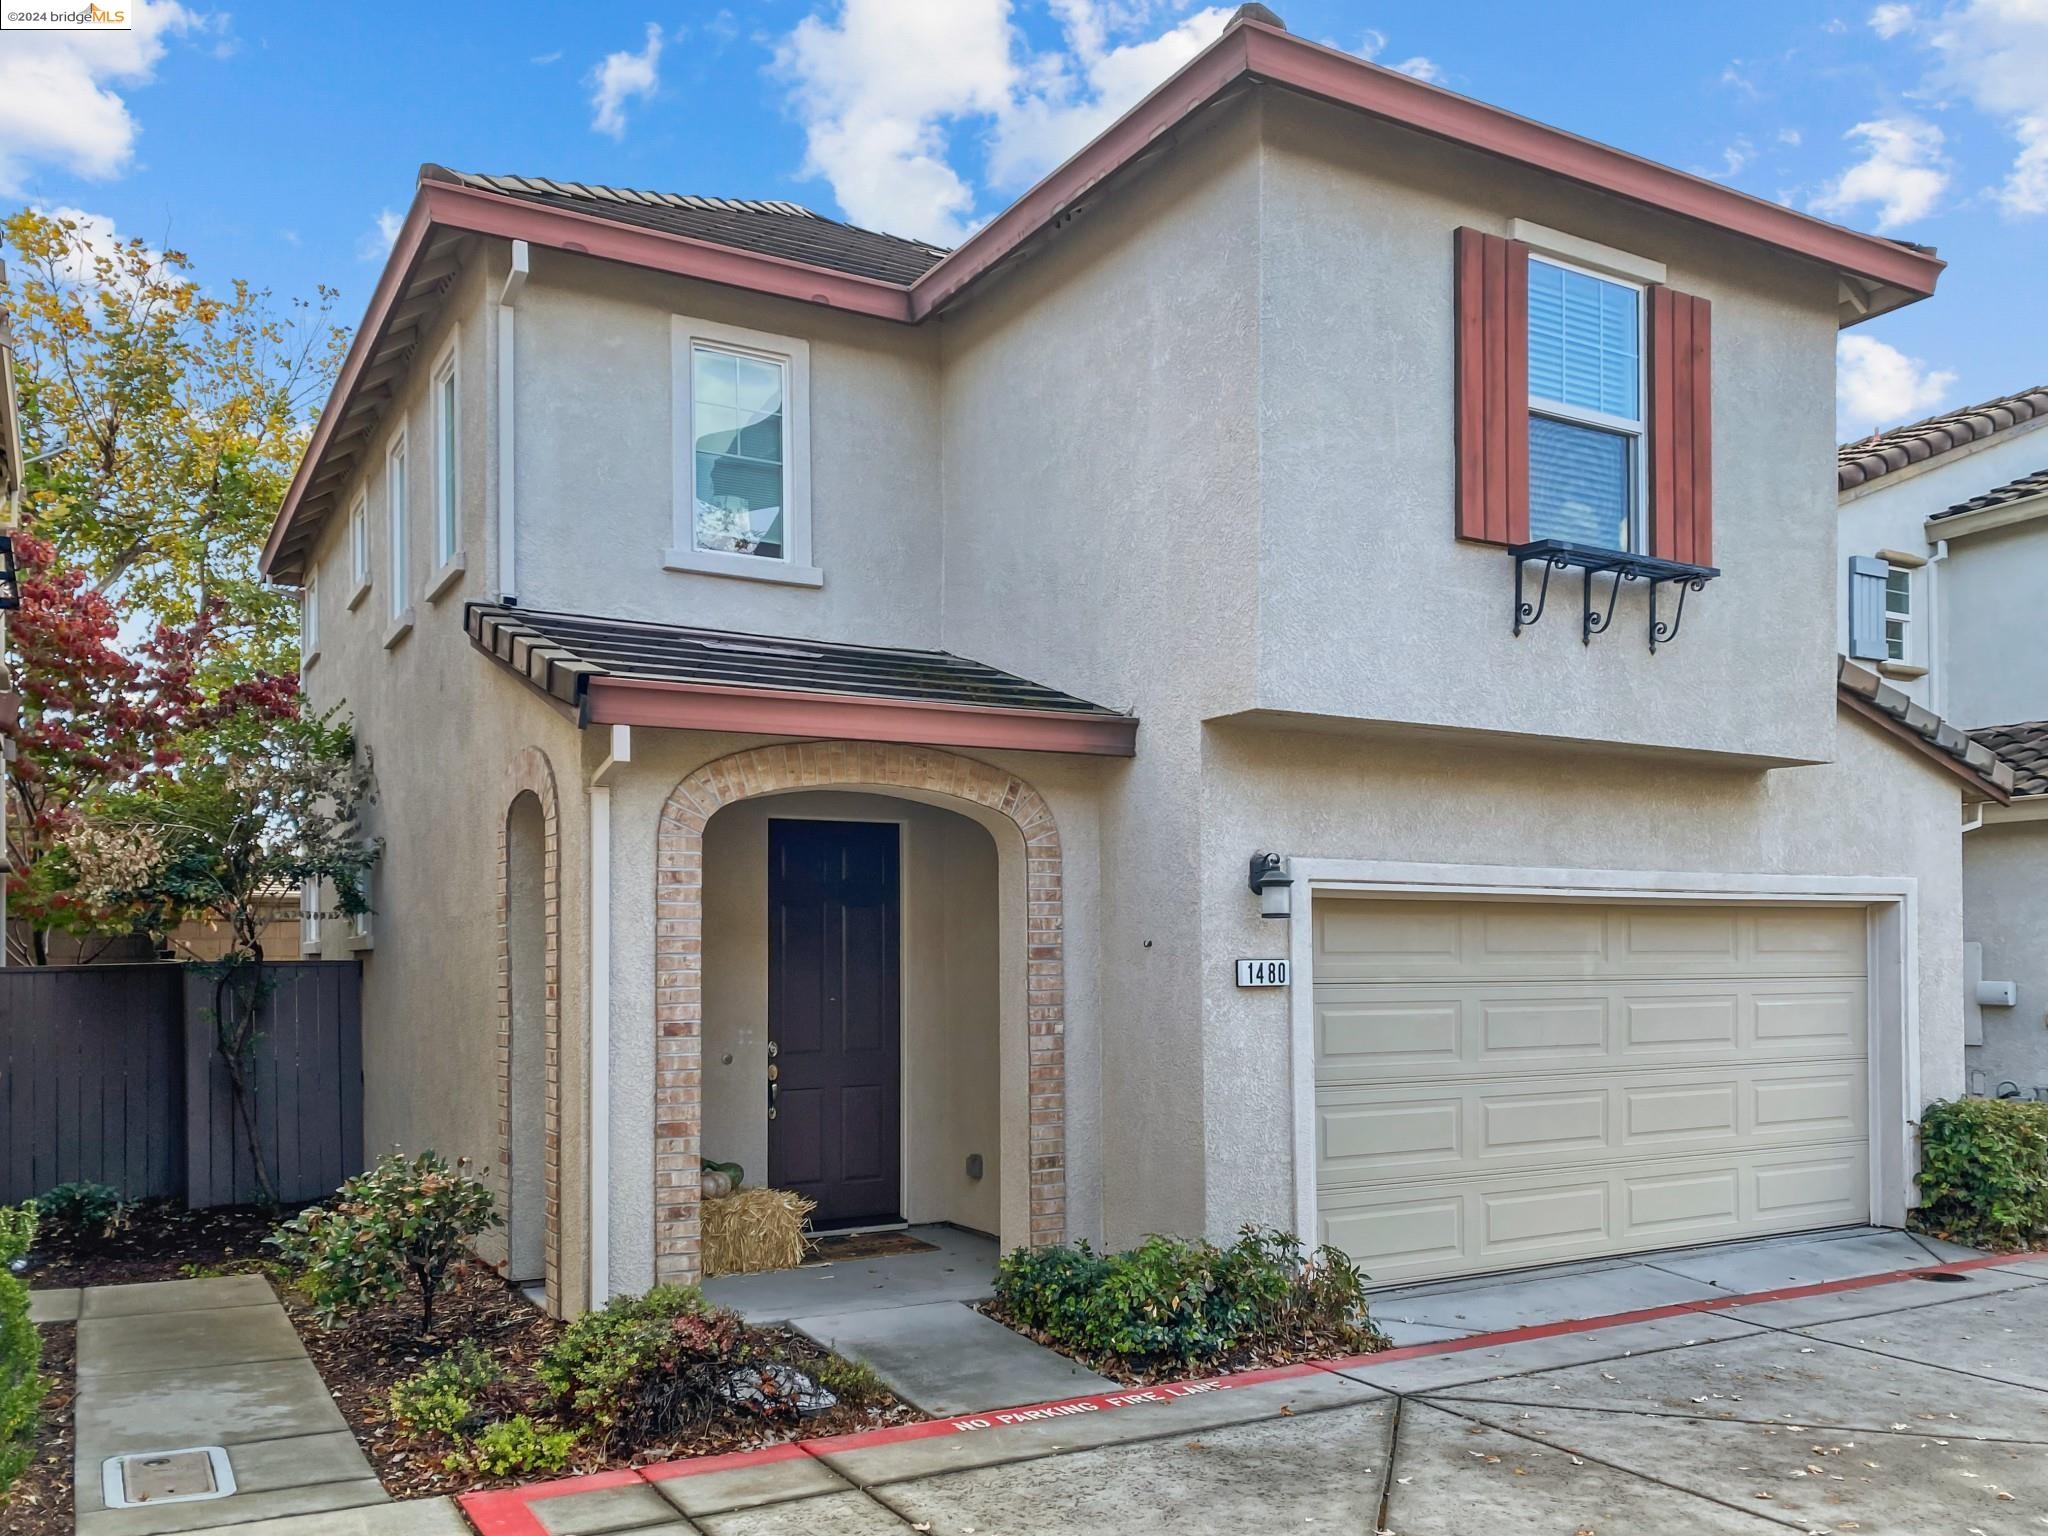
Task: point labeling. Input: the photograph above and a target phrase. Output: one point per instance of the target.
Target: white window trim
(1639, 428)
(398, 521)
(795, 567)
(362, 931)
(309, 916)
(309, 618)
(1903, 620)
(447, 454)
(359, 550)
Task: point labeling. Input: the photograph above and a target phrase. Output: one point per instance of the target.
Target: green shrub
(1984, 1172)
(516, 1445)
(645, 1365)
(440, 1398)
(22, 1386)
(401, 1219)
(853, 1382)
(1173, 1299)
(94, 1212)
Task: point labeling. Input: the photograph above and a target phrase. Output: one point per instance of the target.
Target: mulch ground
(1330, 1345)
(160, 1241)
(41, 1503)
(362, 1358)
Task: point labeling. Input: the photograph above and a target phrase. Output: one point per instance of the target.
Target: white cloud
(1789, 136)
(1879, 386)
(554, 56)
(1735, 156)
(1995, 52)
(1422, 69)
(623, 77)
(1889, 21)
(376, 245)
(91, 234)
(883, 87)
(1372, 45)
(56, 102)
(1903, 171)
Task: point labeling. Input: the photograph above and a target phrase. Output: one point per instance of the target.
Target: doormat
(838, 1247)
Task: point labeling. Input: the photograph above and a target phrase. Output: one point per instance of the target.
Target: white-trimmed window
(309, 915)
(309, 617)
(1898, 612)
(447, 478)
(1586, 407)
(361, 927)
(395, 510)
(742, 453)
(359, 545)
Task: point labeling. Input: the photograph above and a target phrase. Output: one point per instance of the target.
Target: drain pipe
(600, 1138)
(508, 522)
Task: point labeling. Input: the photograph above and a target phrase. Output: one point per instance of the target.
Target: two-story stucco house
(1945, 549)
(848, 707)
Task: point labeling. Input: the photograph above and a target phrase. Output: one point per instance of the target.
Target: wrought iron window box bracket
(1560, 555)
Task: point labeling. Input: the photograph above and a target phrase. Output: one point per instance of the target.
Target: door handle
(773, 1073)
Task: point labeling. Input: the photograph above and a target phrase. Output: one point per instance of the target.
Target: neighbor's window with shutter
(1586, 407)
(1869, 583)
(1898, 610)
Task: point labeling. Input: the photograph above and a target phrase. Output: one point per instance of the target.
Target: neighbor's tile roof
(1925, 729)
(2024, 748)
(557, 650)
(2035, 484)
(789, 230)
(1879, 454)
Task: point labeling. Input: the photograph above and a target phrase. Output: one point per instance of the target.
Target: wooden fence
(108, 1074)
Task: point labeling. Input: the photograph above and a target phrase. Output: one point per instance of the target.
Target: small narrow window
(359, 542)
(309, 617)
(309, 915)
(1898, 611)
(445, 480)
(1585, 408)
(394, 494)
(360, 925)
(742, 473)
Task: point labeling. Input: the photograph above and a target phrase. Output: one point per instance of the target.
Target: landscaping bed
(363, 1358)
(41, 1498)
(156, 1240)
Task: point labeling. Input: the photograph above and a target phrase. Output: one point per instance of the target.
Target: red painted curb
(504, 1511)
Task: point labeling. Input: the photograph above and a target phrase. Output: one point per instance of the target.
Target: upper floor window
(309, 617)
(1586, 407)
(394, 503)
(742, 494)
(359, 545)
(445, 479)
(1898, 610)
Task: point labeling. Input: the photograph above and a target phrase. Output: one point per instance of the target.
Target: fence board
(108, 1073)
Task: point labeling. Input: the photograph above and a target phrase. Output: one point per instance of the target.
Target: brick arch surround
(678, 975)
(529, 772)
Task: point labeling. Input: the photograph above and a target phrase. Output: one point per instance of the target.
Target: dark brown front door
(835, 927)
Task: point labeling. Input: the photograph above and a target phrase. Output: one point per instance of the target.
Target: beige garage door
(1511, 1083)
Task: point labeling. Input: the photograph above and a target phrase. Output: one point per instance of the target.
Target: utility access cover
(166, 1477)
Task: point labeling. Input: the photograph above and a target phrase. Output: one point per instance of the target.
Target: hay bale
(752, 1230)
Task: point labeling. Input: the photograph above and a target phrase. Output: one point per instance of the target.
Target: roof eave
(1976, 786)
(668, 705)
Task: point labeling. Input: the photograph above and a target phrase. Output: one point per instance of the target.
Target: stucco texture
(2005, 907)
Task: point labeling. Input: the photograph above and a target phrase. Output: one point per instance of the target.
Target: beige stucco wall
(442, 724)
(2005, 907)
(950, 987)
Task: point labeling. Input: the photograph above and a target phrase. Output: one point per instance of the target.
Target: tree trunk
(234, 1026)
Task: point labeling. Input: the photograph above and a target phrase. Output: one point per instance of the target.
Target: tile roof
(564, 650)
(1924, 729)
(2004, 495)
(1868, 458)
(2024, 749)
(789, 230)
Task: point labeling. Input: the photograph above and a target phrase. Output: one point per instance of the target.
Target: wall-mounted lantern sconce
(10, 587)
(1275, 886)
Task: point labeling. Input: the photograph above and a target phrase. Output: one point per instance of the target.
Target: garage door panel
(1574, 1079)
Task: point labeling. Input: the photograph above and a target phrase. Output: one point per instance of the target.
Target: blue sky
(280, 142)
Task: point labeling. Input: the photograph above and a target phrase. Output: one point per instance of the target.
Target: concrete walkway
(179, 1364)
(1904, 1406)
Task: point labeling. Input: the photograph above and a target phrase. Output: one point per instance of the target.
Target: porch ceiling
(625, 672)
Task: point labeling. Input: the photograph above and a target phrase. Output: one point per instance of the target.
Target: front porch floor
(961, 1266)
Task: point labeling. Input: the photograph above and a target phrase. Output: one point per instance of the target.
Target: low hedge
(1984, 1172)
(22, 1386)
(1187, 1302)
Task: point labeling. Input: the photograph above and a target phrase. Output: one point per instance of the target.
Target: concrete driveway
(1909, 1405)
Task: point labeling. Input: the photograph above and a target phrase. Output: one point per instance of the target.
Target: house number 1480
(1262, 973)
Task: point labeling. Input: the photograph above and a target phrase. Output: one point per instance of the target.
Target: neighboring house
(1944, 529)
(828, 694)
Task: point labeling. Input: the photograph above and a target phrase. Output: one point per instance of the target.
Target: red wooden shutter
(1493, 388)
(1681, 427)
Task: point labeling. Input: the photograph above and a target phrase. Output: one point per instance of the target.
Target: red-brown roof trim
(852, 717)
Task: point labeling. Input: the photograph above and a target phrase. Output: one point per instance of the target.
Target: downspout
(508, 297)
(1937, 646)
(600, 1139)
